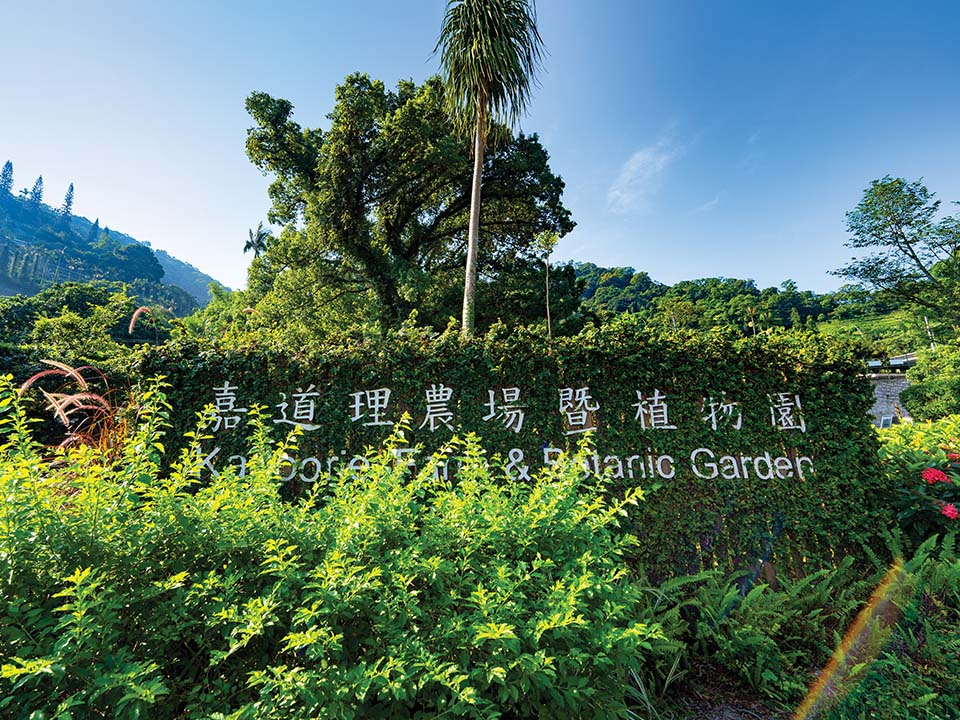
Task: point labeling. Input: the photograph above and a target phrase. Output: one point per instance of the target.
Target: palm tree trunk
(473, 232)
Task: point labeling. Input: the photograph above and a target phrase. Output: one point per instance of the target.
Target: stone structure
(887, 408)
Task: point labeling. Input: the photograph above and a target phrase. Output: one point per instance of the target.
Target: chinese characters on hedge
(576, 405)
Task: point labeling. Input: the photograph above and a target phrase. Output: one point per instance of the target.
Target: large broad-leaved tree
(375, 213)
(490, 51)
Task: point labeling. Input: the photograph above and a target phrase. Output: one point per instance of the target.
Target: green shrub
(933, 398)
(921, 463)
(764, 639)
(934, 390)
(127, 590)
(914, 675)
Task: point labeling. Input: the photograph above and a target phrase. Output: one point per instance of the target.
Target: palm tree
(490, 51)
(258, 240)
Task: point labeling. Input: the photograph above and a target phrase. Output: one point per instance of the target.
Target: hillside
(175, 272)
(40, 246)
(879, 322)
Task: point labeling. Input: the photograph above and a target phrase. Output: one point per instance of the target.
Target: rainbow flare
(860, 645)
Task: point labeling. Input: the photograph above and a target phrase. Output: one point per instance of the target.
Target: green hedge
(932, 399)
(689, 522)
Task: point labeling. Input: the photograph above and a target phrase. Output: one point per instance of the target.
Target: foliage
(40, 245)
(257, 240)
(717, 519)
(490, 52)
(78, 323)
(35, 197)
(704, 303)
(934, 390)
(890, 656)
(932, 399)
(768, 639)
(882, 334)
(82, 404)
(384, 203)
(6, 181)
(921, 462)
(74, 339)
(915, 675)
(386, 593)
(914, 254)
(617, 290)
(546, 242)
(66, 210)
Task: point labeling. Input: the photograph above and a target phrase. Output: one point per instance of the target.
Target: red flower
(953, 457)
(950, 510)
(932, 475)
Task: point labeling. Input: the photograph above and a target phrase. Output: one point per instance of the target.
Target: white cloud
(639, 176)
(707, 206)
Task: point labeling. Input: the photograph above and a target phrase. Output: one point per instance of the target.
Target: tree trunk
(473, 233)
(546, 263)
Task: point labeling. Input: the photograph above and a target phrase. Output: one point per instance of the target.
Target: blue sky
(695, 139)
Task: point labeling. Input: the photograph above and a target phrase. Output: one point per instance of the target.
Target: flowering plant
(922, 461)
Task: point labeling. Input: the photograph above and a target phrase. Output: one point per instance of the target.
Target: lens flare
(863, 641)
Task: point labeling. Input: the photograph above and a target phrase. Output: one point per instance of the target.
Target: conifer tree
(36, 195)
(67, 210)
(6, 178)
(94, 232)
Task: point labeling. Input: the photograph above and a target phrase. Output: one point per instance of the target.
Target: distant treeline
(41, 245)
(717, 301)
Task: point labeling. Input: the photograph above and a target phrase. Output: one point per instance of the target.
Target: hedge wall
(804, 490)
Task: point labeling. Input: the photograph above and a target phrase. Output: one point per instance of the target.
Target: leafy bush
(921, 462)
(129, 590)
(771, 639)
(890, 637)
(766, 639)
(934, 390)
(933, 398)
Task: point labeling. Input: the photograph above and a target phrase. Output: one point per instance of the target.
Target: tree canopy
(376, 207)
(914, 254)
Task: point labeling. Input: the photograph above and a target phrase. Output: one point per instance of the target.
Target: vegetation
(384, 209)
(127, 590)
(80, 324)
(388, 592)
(490, 52)
(160, 562)
(915, 253)
(743, 515)
(703, 304)
(40, 246)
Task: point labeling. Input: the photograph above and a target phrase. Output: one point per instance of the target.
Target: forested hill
(40, 245)
(175, 272)
(730, 302)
